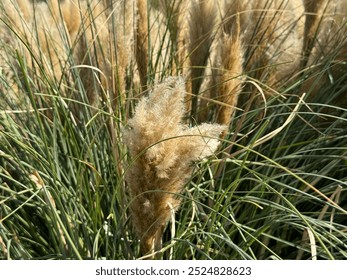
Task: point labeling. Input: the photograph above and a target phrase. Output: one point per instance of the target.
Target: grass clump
(72, 173)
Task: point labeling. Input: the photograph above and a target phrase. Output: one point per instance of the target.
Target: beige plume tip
(162, 149)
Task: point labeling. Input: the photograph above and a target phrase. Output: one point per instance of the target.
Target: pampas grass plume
(142, 41)
(162, 149)
(231, 59)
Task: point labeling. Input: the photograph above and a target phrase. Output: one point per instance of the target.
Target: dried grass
(272, 39)
(325, 33)
(216, 45)
(162, 149)
(33, 30)
(202, 28)
(142, 41)
(51, 31)
(176, 13)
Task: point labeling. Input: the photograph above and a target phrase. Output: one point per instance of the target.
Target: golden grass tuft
(272, 37)
(142, 34)
(230, 82)
(83, 31)
(228, 71)
(216, 45)
(162, 150)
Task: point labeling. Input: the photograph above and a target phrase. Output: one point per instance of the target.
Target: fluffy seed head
(162, 149)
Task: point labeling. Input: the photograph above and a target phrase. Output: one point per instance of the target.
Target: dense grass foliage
(276, 188)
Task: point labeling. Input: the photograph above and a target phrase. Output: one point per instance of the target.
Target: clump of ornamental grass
(59, 38)
(271, 34)
(31, 28)
(258, 40)
(277, 192)
(162, 149)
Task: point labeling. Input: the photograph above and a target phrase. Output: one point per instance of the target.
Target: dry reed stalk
(162, 149)
(157, 56)
(222, 81)
(121, 16)
(202, 28)
(257, 36)
(230, 84)
(142, 41)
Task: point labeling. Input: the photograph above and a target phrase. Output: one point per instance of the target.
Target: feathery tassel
(230, 84)
(162, 149)
(142, 41)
